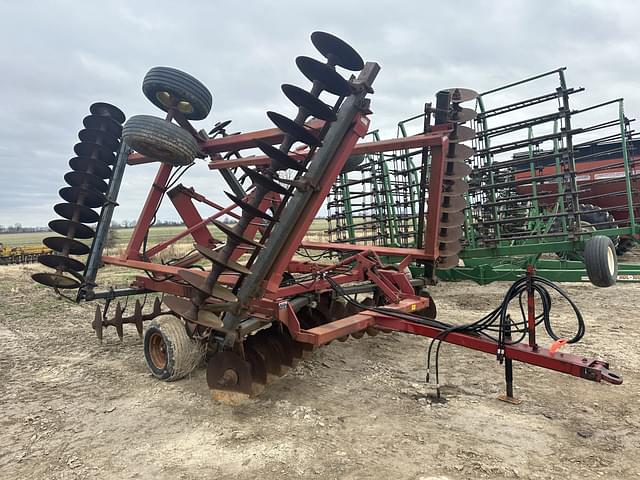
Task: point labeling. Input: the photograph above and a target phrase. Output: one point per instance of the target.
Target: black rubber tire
(625, 245)
(601, 261)
(161, 140)
(181, 353)
(182, 87)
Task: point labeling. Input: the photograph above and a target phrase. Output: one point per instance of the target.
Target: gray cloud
(59, 57)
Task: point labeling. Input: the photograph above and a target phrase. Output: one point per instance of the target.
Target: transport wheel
(161, 140)
(601, 261)
(166, 87)
(168, 350)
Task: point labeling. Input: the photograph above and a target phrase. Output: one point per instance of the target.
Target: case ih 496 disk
(256, 310)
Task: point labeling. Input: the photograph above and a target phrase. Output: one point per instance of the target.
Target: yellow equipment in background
(21, 254)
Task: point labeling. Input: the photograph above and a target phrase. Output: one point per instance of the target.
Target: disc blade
(337, 51)
(198, 281)
(228, 265)
(450, 248)
(228, 231)
(88, 180)
(56, 280)
(247, 207)
(448, 262)
(90, 165)
(455, 203)
(457, 187)
(61, 262)
(207, 318)
(297, 131)
(258, 178)
(94, 150)
(181, 307)
(459, 95)
(462, 134)
(62, 244)
(107, 110)
(227, 371)
(258, 364)
(303, 99)
(460, 153)
(71, 229)
(77, 212)
(282, 160)
(330, 80)
(450, 234)
(456, 170)
(84, 196)
(452, 219)
(106, 139)
(104, 124)
(461, 115)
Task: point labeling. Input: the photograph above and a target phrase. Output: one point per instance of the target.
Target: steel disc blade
(462, 134)
(228, 231)
(71, 229)
(452, 219)
(272, 359)
(56, 280)
(337, 51)
(181, 307)
(220, 126)
(84, 196)
(100, 137)
(457, 187)
(258, 178)
(303, 99)
(77, 212)
(61, 262)
(104, 124)
(459, 95)
(450, 248)
(90, 165)
(297, 131)
(461, 115)
(456, 170)
(218, 308)
(198, 281)
(82, 179)
(330, 80)
(450, 234)
(247, 207)
(107, 110)
(258, 364)
(228, 265)
(284, 352)
(280, 158)
(227, 371)
(95, 150)
(460, 153)
(209, 319)
(60, 244)
(448, 262)
(455, 203)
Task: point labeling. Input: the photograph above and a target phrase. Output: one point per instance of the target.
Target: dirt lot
(74, 409)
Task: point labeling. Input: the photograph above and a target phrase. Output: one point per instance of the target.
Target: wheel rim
(611, 261)
(166, 99)
(158, 350)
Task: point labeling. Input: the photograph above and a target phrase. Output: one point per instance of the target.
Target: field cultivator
(21, 254)
(544, 178)
(242, 298)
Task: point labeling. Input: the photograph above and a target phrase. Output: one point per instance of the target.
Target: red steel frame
(390, 283)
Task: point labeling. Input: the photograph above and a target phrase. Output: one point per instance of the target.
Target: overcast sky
(58, 57)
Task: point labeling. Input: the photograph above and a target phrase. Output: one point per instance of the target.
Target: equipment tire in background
(168, 350)
(601, 261)
(166, 86)
(159, 139)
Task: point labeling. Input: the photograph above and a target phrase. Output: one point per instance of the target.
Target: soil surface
(73, 409)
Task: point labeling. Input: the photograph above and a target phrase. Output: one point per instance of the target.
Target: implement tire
(160, 140)
(168, 350)
(166, 86)
(601, 261)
